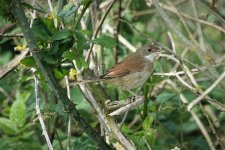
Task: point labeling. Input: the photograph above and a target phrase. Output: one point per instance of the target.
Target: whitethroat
(133, 71)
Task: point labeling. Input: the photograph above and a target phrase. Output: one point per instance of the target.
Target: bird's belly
(133, 80)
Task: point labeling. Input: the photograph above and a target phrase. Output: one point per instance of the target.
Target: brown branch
(12, 64)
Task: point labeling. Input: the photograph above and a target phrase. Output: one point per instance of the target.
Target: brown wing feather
(132, 63)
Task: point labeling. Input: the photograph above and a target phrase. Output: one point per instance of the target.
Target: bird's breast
(132, 80)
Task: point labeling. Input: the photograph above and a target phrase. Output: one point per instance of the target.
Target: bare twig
(69, 119)
(172, 42)
(194, 115)
(12, 35)
(194, 88)
(199, 123)
(212, 126)
(121, 38)
(194, 19)
(192, 44)
(12, 64)
(146, 12)
(7, 28)
(81, 15)
(117, 31)
(175, 73)
(38, 112)
(98, 29)
(123, 120)
(6, 94)
(206, 92)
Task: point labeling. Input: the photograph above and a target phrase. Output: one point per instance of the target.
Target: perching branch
(128, 105)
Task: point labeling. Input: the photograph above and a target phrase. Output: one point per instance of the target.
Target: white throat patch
(150, 57)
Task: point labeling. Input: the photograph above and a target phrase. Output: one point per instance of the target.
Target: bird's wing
(128, 65)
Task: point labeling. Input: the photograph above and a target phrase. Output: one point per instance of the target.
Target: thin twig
(38, 112)
(172, 42)
(146, 12)
(98, 29)
(69, 119)
(212, 126)
(81, 15)
(190, 43)
(171, 74)
(194, 19)
(194, 115)
(6, 94)
(123, 120)
(199, 123)
(121, 38)
(117, 31)
(12, 35)
(195, 88)
(206, 92)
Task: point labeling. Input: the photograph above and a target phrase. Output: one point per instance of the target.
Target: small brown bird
(133, 71)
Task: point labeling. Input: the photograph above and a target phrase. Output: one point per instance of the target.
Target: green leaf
(83, 142)
(85, 32)
(40, 30)
(69, 55)
(7, 126)
(127, 130)
(150, 136)
(80, 36)
(54, 48)
(80, 61)
(58, 74)
(68, 10)
(65, 45)
(49, 25)
(164, 96)
(105, 41)
(23, 96)
(5, 143)
(31, 7)
(158, 66)
(28, 61)
(18, 113)
(85, 2)
(27, 134)
(147, 123)
(49, 59)
(62, 34)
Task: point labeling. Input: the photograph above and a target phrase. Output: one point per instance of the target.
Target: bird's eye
(149, 50)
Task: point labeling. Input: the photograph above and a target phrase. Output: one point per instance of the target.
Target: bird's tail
(87, 81)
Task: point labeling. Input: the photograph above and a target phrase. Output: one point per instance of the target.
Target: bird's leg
(134, 94)
(129, 97)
